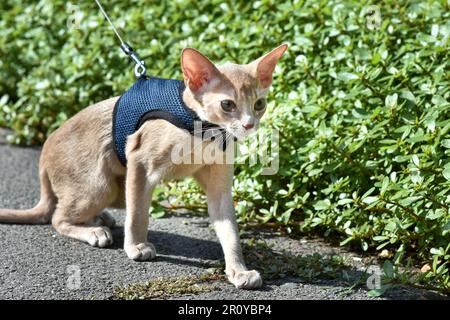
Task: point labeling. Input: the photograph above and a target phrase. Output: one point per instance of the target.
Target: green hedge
(363, 112)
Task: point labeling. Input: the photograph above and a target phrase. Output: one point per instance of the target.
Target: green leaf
(391, 100)
(446, 174)
(347, 76)
(158, 214)
(384, 184)
(322, 204)
(370, 200)
(388, 269)
(435, 214)
(408, 95)
(364, 245)
(438, 252)
(416, 160)
(376, 292)
(344, 201)
(445, 143)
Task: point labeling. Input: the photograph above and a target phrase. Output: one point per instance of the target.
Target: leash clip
(139, 68)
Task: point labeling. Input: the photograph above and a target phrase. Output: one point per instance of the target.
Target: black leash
(139, 68)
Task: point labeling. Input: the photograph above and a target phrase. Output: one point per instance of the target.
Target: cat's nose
(248, 125)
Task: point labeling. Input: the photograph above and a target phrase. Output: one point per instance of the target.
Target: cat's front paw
(246, 279)
(141, 252)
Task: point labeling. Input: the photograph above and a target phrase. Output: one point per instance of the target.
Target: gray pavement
(35, 260)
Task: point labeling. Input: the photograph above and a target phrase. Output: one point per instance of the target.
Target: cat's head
(232, 96)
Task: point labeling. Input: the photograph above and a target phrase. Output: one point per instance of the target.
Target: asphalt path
(38, 263)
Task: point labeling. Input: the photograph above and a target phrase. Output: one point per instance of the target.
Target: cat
(80, 173)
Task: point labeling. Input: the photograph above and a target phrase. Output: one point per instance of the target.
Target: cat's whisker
(228, 138)
(211, 137)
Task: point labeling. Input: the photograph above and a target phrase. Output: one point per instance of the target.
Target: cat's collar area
(210, 131)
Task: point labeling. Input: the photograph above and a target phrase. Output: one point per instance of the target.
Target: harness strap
(157, 98)
(209, 130)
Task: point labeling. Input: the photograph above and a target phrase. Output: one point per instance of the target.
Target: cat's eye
(228, 105)
(260, 104)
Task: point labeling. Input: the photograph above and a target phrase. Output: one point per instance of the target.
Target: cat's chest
(194, 153)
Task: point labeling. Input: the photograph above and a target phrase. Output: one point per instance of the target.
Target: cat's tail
(40, 214)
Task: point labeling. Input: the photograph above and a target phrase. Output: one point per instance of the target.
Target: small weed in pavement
(271, 264)
(275, 265)
(170, 287)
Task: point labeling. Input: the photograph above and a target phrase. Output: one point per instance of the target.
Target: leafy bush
(363, 111)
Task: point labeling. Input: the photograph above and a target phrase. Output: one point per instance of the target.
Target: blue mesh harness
(147, 99)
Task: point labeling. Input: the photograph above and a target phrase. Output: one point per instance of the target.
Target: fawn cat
(84, 168)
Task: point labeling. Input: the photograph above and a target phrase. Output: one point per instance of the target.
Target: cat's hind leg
(95, 236)
(104, 219)
(79, 220)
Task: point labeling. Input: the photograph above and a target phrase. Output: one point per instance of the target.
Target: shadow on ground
(279, 268)
(174, 248)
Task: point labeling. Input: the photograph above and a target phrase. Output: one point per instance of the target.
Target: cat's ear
(198, 71)
(263, 67)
